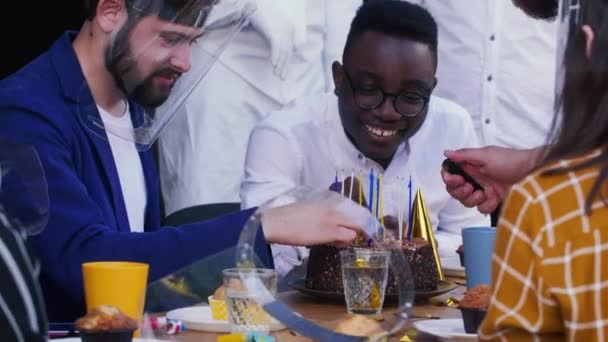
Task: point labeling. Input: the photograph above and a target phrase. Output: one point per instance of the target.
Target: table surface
(328, 314)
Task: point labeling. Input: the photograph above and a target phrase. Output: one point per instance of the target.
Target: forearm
(165, 251)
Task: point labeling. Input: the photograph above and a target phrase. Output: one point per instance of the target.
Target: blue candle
(371, 191)
(410, 228)
(336, 181)
(378, 197)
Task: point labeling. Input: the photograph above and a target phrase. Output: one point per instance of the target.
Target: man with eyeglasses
(381, 116)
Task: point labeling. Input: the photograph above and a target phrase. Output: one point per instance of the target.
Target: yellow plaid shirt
(550, 264)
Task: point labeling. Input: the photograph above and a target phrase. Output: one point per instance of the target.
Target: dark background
(30, 27)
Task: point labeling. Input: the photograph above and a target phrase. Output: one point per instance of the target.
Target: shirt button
(489, 78)
(492, 37)
(360, 156)
(487, 121)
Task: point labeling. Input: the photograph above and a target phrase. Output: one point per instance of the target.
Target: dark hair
(539, 9)
(186, 12)
(393, 17)
(583, 123)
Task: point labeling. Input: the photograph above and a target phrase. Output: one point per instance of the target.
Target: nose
(181, 58)
(387, 110)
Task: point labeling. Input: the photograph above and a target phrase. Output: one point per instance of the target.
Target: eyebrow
(181, 35)
(418, 84)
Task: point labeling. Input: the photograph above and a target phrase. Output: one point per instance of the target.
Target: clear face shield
(157, 57)
(24, 199)
(234, 291)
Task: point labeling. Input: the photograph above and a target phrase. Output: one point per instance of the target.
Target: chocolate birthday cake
(324, 272)
(324, 266)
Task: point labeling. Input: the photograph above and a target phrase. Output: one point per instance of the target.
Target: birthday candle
(342, 187)
(377, 208)
(400, 213)
(336, 181)
(352, 180)
(410, 228)
(371, 191)
(381, 194)
(360, 188)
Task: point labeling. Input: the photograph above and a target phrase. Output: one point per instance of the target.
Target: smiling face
(395, 65)
(147, 59)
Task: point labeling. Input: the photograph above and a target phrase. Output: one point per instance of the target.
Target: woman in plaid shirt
(548, 278)
(548, 275)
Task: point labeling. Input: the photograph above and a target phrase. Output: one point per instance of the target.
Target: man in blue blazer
(90, 218)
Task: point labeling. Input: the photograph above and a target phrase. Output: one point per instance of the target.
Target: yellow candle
(381, 208)
(360, 189)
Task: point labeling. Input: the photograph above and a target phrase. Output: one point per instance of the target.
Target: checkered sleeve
(518, 310)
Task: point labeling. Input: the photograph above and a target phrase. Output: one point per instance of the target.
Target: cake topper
(421, 227)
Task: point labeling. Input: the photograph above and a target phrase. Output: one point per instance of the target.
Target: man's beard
(123, 67)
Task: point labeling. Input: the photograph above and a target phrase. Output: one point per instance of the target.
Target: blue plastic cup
(478, 245)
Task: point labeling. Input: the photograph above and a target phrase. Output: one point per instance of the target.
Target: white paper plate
(451, 267)
(445, 329)
(135, 339)
(199, 318)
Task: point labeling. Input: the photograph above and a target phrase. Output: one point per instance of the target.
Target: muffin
(359, 325)
(104, 324)
(474, 306)
(217, 302)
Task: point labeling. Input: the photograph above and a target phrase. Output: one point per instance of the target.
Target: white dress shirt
(202, 151)
(129, 168)
(305, 144)
(500, 65)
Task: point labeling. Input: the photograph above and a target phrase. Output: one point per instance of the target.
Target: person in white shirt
(284, 53)
(499, 63)
(381, 116)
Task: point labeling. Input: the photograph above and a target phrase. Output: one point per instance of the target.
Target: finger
(451, 180)
(343, 236)
(461, 193)
(489, 205)
(475, 199)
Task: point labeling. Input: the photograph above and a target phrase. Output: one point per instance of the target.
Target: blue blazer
(88, 220)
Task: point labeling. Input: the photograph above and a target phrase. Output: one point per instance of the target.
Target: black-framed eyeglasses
(407, 104)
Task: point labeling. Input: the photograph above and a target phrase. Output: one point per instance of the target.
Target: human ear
(589, 36)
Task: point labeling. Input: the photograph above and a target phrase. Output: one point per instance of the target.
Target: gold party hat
(421, 227)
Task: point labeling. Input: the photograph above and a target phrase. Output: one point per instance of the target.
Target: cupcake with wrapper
(104, 324)
(217, 302)
(474, 306)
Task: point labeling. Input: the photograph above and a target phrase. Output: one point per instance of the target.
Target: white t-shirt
(128, 165)
(305, 145)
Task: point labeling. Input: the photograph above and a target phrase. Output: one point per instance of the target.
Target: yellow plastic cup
(119, 284)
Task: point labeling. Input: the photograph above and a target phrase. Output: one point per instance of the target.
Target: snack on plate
(217, 302)
(359, 325)
(106, 323)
